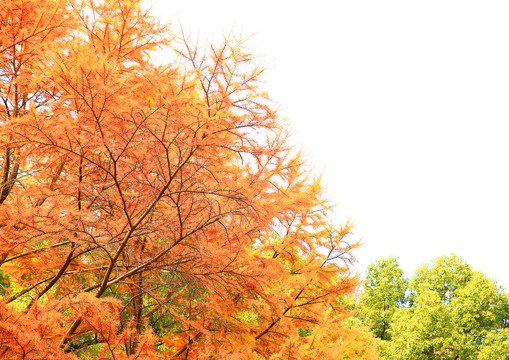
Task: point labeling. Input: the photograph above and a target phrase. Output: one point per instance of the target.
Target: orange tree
(155, 211)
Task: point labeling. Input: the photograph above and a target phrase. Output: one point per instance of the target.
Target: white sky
(404, 105)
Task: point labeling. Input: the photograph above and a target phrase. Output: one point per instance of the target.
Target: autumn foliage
(152, 210)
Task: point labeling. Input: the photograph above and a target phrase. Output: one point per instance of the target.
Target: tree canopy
(155, 210)
(449, 311)
(384, 291)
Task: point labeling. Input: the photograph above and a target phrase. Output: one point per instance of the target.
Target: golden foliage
(156, 211)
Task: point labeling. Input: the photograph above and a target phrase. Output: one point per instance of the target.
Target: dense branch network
(155, 210)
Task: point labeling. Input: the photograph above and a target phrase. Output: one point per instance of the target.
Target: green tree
(479, 307)
(496, 346)
(444, 276)
(385, 291)
(455, 313)
(424, 331)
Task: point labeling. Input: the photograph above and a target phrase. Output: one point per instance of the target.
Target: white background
(404, 106)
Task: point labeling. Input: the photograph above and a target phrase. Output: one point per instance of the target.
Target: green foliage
(452, 312)
(385, 290)
(4, 283)
(424, 331)
(304, 332)
(480, 306)
(496, 346)
(445, 275)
